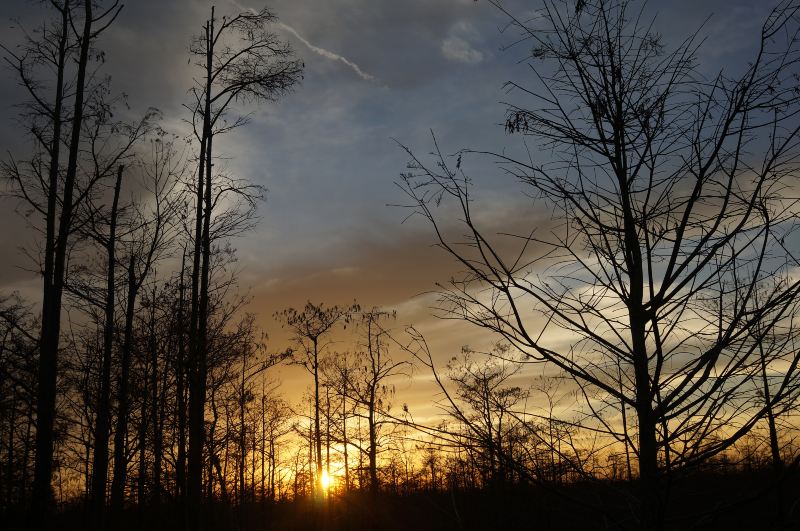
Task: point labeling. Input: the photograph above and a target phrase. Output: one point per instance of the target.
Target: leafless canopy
(674, 202)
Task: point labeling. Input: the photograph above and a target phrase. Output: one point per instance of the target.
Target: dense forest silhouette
(645, 332)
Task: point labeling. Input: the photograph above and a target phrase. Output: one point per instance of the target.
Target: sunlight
(326, 481)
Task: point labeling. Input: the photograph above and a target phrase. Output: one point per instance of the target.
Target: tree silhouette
(310, 328)
(669, 193)
(241, 62)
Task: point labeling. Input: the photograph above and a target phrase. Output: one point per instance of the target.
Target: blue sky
(378, 72)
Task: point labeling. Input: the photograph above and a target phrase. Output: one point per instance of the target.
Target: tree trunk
(51, 317)
(102, 426)
(242, 442)
(180, 399)
(158, 438)
(10, 480)
(120, 435)
(155, 403)
(373, 444)
(328, 433)
(272, 466)
(649, 497)
(142, 438)
(263, 443)
(199, 310)
(344, 434)
(774, 444)
(648, 457)
(317, 432)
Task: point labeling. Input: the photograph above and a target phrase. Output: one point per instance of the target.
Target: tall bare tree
(103, 421)
(56, 196)
(670, 192)
(240, 61)
(153, 230)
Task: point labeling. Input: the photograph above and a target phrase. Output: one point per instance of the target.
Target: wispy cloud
(327, 53)
(456, 47)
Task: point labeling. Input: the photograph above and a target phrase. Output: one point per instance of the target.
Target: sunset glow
(326, 481)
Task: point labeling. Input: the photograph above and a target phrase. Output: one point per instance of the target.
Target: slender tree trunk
(317, 431)
(311, 462)
(148, 413)
(373, 444)
(180, 398)
(158, 440)
(328, 432)
(194, 457)
(102, 426)
(26, 454)
(156, 403)
(242, 443)
(296, 473)
(123, 400)
(263, 443)
(10, 480)
(51, 320)
(46, 363)
(199, 317)
(253, 469)
(774, 444)
(624, 412)
(272, 466)
(360, 457)
(374, 351)
(144, 418)
(344, 433)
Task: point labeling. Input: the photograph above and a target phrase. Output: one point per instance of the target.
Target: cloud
(457, 48)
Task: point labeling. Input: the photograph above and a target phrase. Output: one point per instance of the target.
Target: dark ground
(748, 501)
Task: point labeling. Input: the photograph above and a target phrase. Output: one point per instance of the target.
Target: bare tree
(110, 143)
(57, 195)
(369, 382)
(152, 231)
(339, 370)
(775, 349)
(311, 328)
(255, 361)
(489, 401)
(103, 422)
(18, 345)
(668, 191)
(241, 62)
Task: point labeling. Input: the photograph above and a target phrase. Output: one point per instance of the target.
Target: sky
(379, 73)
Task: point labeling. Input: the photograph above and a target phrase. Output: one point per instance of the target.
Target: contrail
(316, 49)
(328, 54)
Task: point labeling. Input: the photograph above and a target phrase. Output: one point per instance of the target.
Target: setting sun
(326, 481)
